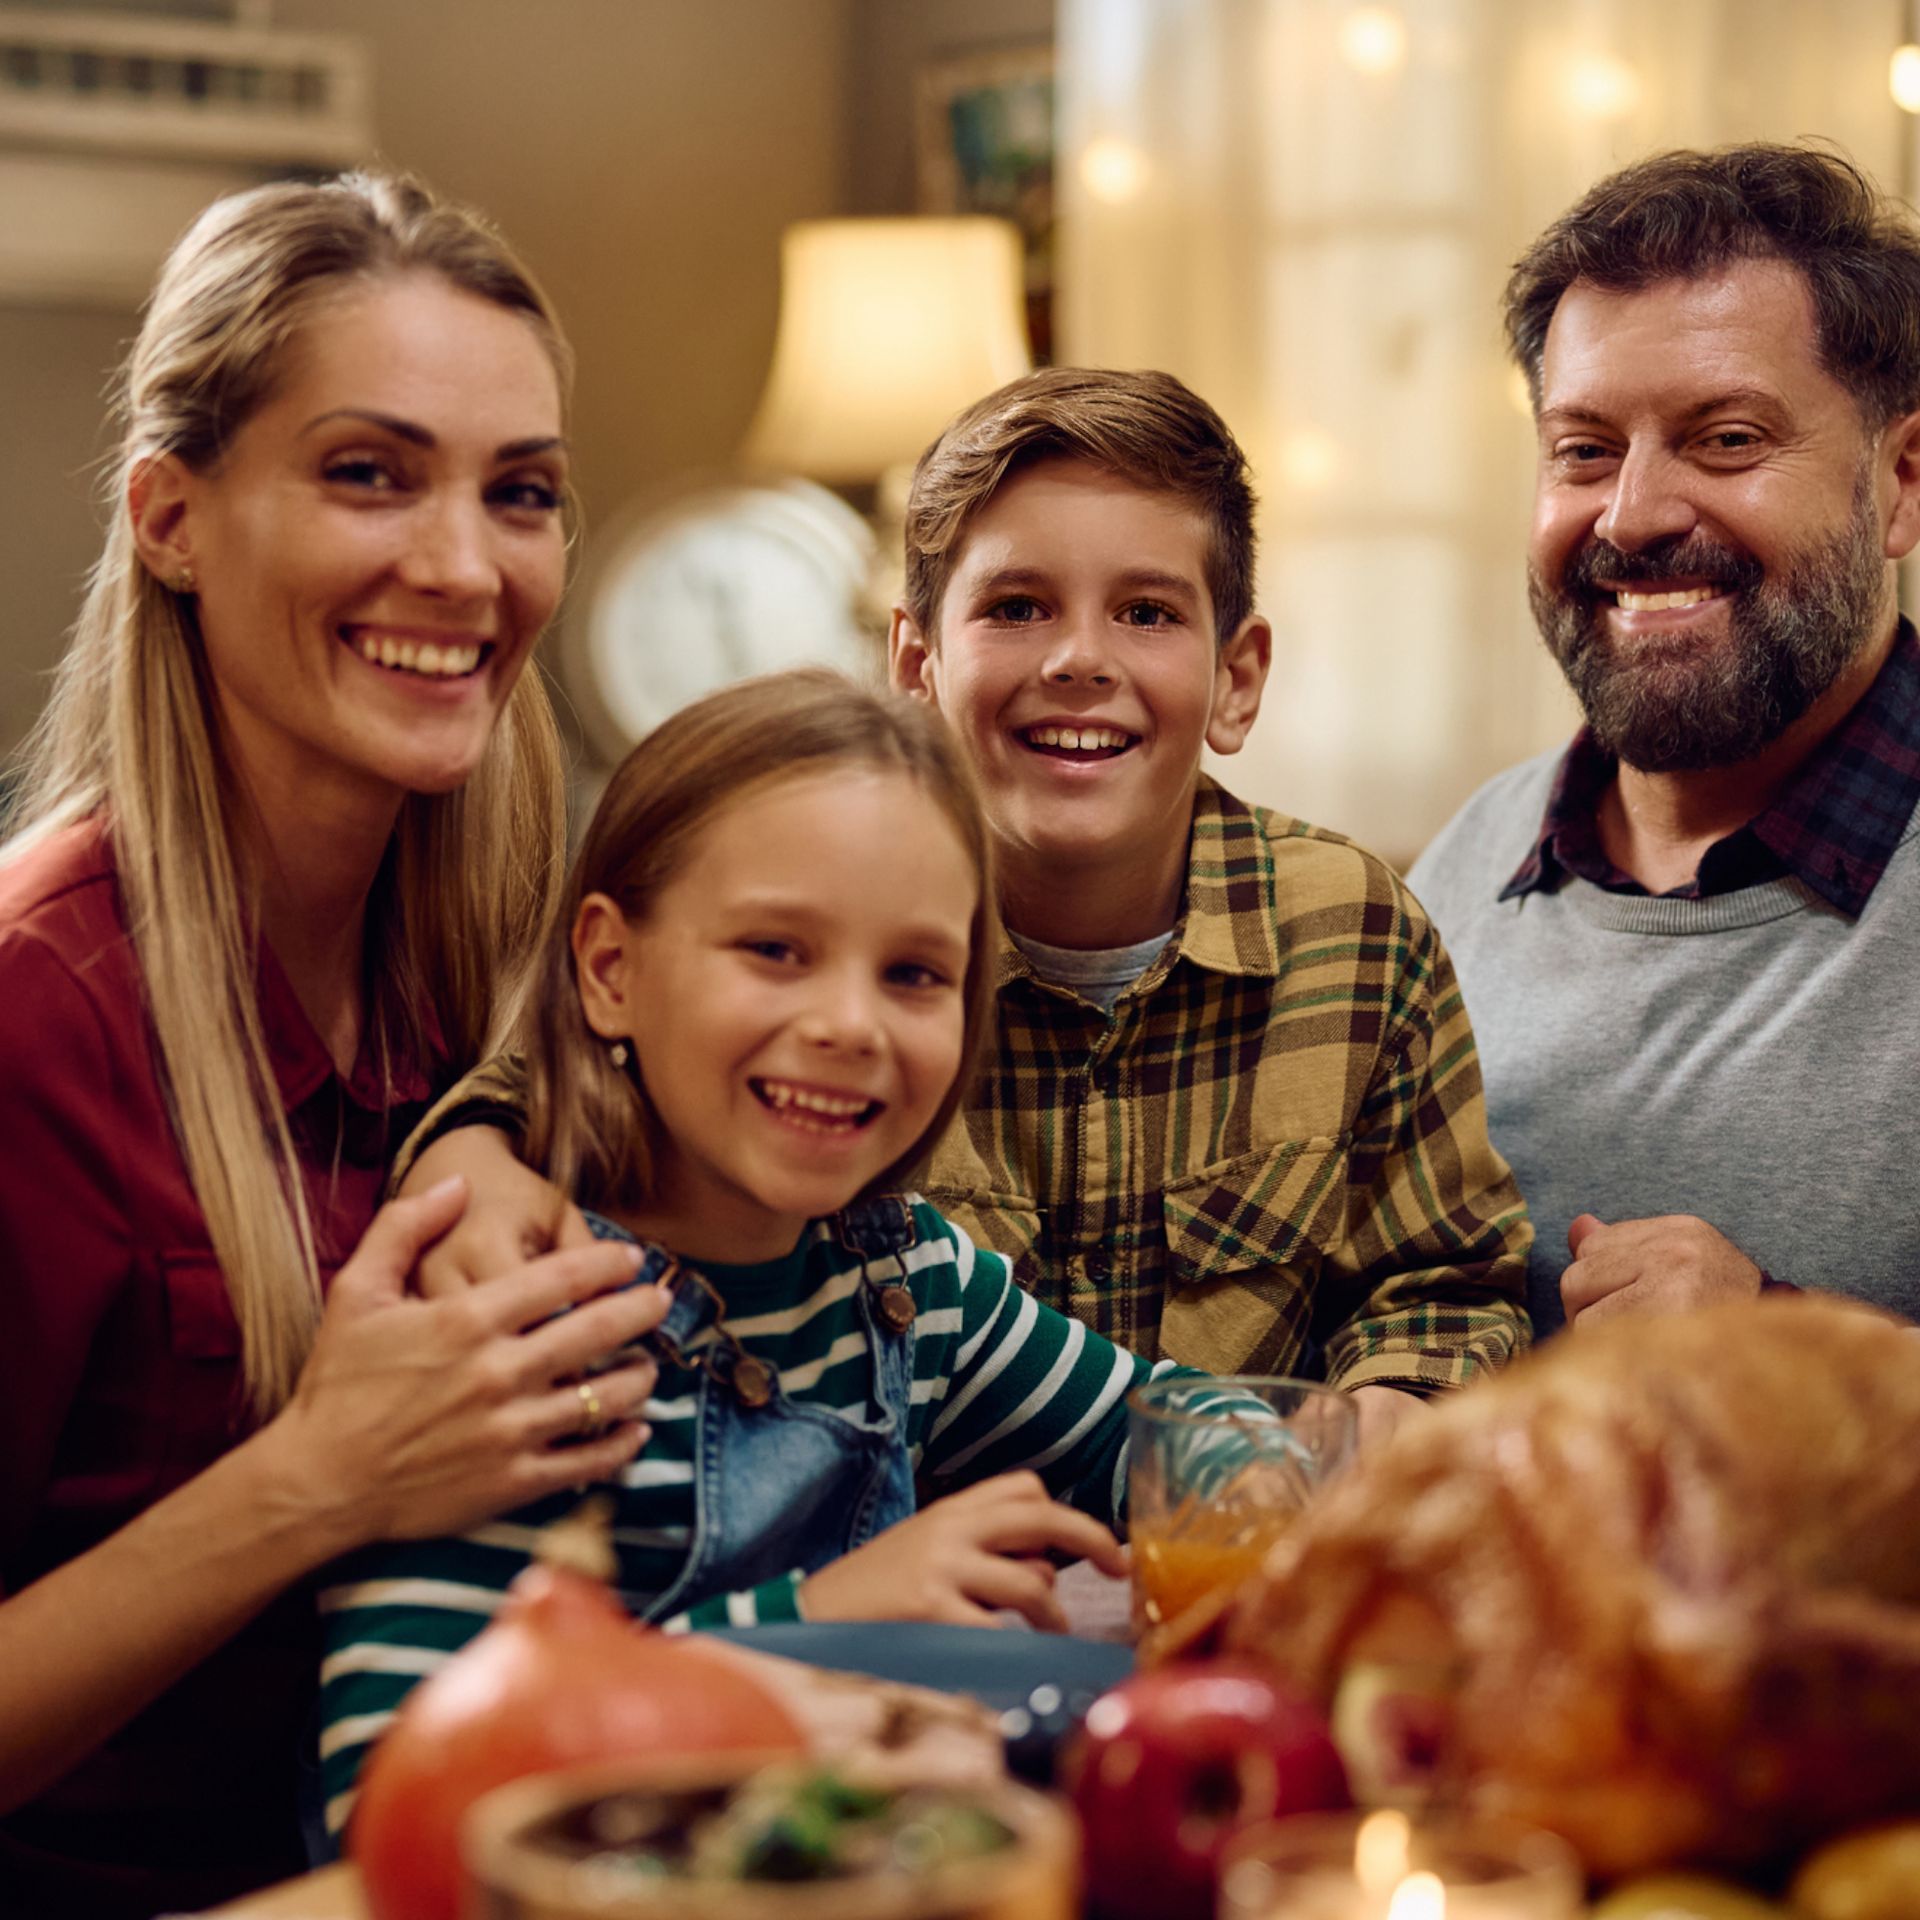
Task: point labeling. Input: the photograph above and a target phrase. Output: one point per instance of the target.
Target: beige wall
(53, 370)
(643, 153)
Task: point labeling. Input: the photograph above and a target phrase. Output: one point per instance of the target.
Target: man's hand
(964, 1558)
(1382, 1410)
(513, 1214)
(1673, 1263)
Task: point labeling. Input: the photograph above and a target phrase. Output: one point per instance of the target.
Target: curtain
(1307, 209)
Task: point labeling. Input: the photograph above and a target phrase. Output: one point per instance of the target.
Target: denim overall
(782, 1486)
(777, 1486)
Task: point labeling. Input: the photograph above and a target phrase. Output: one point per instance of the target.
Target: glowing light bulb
(1903, 78)
(1601, 86)
(1113, 170)
(1420, 1896)
(1373, 40)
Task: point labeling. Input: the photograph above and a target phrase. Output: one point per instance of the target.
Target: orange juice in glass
(1219, 1469)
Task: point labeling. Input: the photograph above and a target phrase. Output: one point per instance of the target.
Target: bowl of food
(734, 1839)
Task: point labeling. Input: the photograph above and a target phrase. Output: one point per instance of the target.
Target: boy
(1233, 1116)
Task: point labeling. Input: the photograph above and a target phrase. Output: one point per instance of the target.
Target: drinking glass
(1221, 1466)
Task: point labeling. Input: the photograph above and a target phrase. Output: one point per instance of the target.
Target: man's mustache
(1600, 567)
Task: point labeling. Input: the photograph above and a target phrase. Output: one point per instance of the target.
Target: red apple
(1172, 1765)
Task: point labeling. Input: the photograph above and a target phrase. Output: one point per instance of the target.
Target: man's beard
(1671, 705)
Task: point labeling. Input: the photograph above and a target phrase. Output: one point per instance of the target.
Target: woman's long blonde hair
(590, 1125)
(131, 734)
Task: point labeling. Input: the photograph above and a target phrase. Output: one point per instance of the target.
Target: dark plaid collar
(1834, 825)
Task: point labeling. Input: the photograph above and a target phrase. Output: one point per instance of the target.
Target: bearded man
(1688, 943)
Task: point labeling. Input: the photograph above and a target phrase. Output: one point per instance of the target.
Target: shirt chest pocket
(1276, 1206)
(200, 1320)
(1245, 1241)
(203, 1337)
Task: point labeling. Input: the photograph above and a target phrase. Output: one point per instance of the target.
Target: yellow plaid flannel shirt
(1273, 1152)
(1276, 1143)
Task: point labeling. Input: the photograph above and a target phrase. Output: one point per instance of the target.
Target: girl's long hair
(131, 734)
(590, 1125)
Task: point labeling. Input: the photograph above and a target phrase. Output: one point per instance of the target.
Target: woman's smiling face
(379, 547)
(795, 999)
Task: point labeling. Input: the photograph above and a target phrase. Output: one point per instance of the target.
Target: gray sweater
(1748, 1058)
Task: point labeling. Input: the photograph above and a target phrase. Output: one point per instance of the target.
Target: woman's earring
(618, 1054)
(183, 582)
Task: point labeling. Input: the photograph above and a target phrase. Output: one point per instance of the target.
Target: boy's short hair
(1147, 428)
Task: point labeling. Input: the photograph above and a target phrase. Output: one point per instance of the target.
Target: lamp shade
(887, 329)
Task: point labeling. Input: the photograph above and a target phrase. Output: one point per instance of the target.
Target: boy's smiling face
(1076, 660)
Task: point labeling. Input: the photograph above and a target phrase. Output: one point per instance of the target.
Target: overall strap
(881, 1228)
(694, 1333)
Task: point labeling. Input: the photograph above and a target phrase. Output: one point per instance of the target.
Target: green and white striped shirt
(999, 1382)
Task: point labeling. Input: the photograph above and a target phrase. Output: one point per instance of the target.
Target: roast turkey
(1657, 1588)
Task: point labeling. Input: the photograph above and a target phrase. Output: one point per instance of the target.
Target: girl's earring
(619, 1055)
(183, 582)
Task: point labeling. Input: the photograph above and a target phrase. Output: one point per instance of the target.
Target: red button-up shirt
(120, 1378)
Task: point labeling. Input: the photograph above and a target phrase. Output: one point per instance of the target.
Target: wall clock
(714, 585)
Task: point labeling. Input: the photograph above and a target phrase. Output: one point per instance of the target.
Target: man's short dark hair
(1682, 215)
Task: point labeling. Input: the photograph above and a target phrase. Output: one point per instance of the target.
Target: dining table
(1098, 1614)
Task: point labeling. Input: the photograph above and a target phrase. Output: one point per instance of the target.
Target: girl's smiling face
(795, 1001)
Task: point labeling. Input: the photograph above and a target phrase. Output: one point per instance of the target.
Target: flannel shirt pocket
(1277, 1206)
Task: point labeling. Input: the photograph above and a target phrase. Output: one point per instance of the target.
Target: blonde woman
(286, 846)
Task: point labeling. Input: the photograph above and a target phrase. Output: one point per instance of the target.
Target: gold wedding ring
(593, 1415)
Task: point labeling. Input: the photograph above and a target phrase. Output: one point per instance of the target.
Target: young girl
(754, 1019)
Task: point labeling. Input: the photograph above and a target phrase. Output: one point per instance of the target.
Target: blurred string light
(1903, 78)
(1373, 40)
(1113, 170)
(1309, 460)
(1601, 86)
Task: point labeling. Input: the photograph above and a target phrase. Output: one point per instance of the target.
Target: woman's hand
(512, 1215)
(418, 1417)
(411, 1417)
(964, 1558)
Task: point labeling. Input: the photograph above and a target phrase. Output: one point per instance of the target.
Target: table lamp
(888, 327)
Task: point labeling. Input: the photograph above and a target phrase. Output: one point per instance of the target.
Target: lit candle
(1382, 1851)
(1386, 1867)
(1420, 1896)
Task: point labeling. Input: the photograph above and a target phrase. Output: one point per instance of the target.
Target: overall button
(896, 1307)
(752, 1381)
(1077, 1273)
